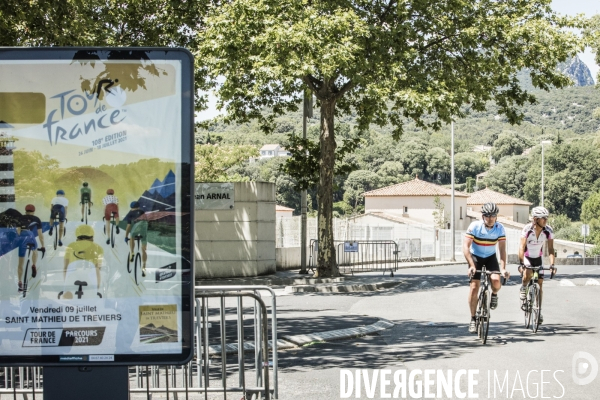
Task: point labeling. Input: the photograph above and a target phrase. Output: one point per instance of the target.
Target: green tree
(391, 172)
(213, 161)
(387, 62)
(508, 176)
(357, 183)
(508, 144)
(440, 217)
(438, 164)
(590, 208)
(468, 165)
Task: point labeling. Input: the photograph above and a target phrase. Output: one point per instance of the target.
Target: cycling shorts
(58, 211)
(140, 228)
(535, 262)
(491, 264)
(109, 209)
(85, 198)
(26, 238)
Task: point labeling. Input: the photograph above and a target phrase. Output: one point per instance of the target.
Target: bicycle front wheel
(112, 235)
(527, 308)
(137, 266)
(485, 317)
(535, 308)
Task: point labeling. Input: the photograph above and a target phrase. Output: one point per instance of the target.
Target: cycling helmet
(60, 192)
(489, 209)
(29, 208)
(110, 191)
(134, 204)
(84, 230)
(85, 184)
(539, 212)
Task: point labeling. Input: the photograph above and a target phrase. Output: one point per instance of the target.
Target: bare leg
(473, 291)
(20, 268)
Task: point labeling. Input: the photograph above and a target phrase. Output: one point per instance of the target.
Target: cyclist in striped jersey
(479, 248)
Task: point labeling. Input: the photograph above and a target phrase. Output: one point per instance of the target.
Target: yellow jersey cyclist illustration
(83, 263)
(58, 209)
(29, 228)
(137, 227)
(111, 205)
(533, 237)
(86, 198)
(479, 249)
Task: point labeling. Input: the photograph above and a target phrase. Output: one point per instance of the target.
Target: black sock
(473, 318)
(494, 294)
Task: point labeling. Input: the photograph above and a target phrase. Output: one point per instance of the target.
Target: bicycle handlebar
(541, 268)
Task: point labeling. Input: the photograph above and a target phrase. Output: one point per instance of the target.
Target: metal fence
(224, 330)
(444, 243)
(366, 256)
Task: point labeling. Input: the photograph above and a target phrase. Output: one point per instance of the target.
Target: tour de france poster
(91, 218)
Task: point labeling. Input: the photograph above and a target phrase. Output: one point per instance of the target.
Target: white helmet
(539, 212)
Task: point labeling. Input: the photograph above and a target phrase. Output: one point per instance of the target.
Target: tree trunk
(326, 259)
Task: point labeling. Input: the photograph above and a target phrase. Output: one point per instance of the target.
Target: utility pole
(452, 216)
(306, 113)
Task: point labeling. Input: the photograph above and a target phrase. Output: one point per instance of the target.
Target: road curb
(348, 288)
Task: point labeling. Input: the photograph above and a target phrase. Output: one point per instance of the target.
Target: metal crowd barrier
(367, 256)
(212, 342)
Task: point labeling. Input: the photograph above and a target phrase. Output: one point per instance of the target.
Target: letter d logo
(584, 364)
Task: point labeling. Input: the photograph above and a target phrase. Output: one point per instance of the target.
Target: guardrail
(213, 341)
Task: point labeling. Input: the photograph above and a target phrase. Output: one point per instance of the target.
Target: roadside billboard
(96, 185)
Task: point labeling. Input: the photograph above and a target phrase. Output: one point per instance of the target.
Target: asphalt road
(431, 315)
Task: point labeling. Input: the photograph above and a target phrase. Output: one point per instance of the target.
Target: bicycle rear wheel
(535, 308)
(25, 279)
(85, 212)
(55, 237)
(137, 265)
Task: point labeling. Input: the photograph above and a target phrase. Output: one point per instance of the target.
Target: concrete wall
(420, 208)
(289, 258)
(241, 241)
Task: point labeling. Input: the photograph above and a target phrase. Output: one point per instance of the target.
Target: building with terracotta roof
(281, 211)
(510, 207)
(414, 201)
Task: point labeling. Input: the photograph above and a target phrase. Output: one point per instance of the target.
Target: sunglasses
(490, 215)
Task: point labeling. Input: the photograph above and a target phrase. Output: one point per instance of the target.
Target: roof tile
(416, 187)
(488, 195)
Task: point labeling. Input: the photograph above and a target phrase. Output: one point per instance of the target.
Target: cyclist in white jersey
(533, 237)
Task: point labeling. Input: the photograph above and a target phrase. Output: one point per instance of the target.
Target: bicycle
(56, 224)
(29, 251)
(531, 305)
(137, 259)
(86, 210)
(482, 314)
(112, 228)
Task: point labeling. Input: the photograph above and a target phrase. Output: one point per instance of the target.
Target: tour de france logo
(102, 108)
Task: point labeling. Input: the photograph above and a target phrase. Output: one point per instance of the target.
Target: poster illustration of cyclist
(90, 206)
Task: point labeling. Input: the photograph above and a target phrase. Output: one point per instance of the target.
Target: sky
(569, 7)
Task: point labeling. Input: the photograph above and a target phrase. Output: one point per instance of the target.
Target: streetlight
(548, 142)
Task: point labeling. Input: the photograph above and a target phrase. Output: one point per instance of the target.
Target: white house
(414, 201)
(511, 208)
(273, 150)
